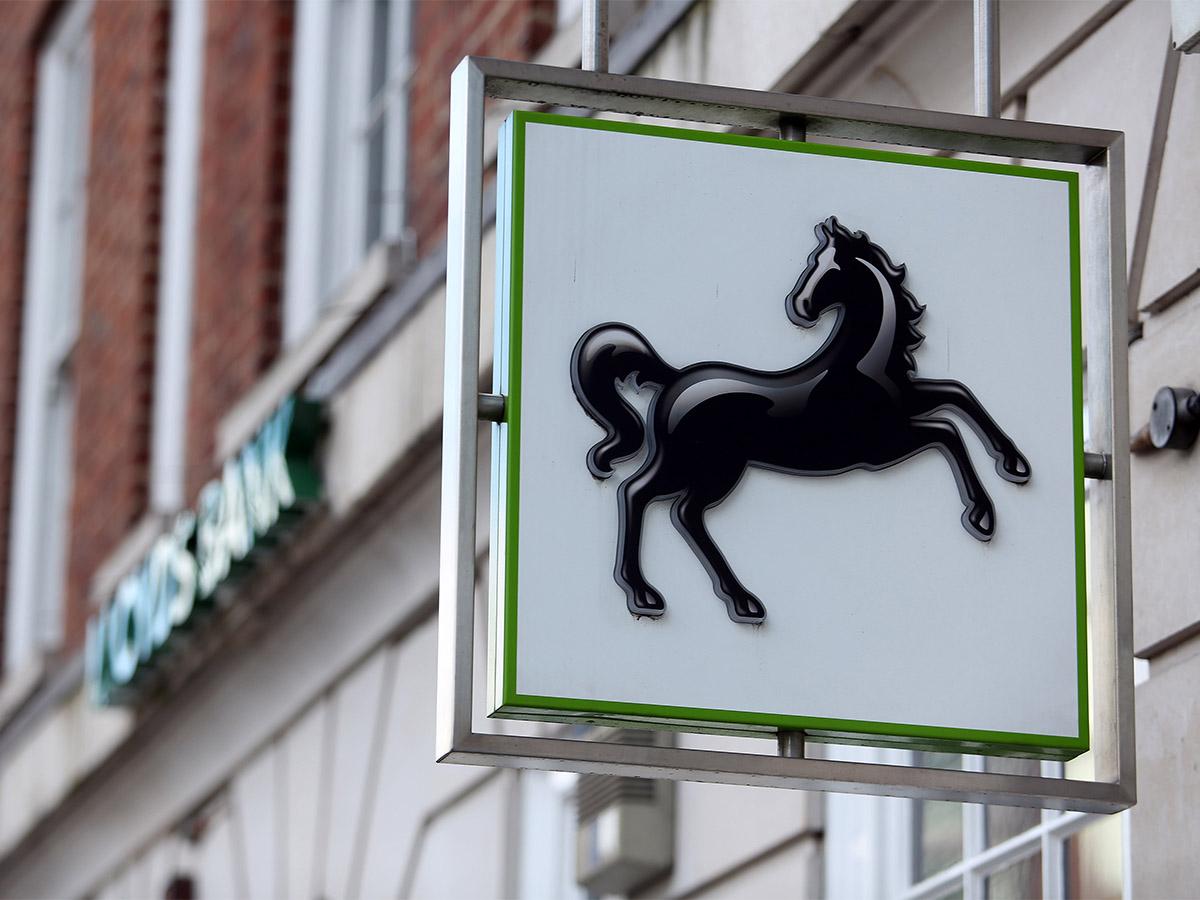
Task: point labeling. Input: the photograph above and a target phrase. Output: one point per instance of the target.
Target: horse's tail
(604, 356)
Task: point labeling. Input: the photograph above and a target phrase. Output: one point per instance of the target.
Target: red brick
(443, 34)
(241, 206)
(114, 358)
(240, 226)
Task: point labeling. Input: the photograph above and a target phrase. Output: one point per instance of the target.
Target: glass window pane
(938, 760)
(937, 832)
(380, 38)
(375, 190)
(1020, 881)
(1004, 822)
(1093, 858)
(937, 824)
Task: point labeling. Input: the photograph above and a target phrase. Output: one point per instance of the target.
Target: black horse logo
(855, 404)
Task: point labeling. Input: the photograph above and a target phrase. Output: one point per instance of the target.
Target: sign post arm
(595, 35)
(987, 58)
(461, 408)
(1111, 614)
(791, 743)
(810, 774)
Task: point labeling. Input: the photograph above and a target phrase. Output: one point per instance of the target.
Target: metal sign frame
(1100, 154)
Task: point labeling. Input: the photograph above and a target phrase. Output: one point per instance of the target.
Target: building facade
(212, 212)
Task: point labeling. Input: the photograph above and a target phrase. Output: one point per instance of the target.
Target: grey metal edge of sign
(1110, 613)
(261, 491)
(509, 702)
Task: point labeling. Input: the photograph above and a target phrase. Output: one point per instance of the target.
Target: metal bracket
(594, 34)
(491, 407)
(793, 128)
(987, 58)
(791, 744)
(1097, 466)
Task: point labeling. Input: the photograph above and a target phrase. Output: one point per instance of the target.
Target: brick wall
(240, 227)
(240, 214)
(21, 25)
(443, 33)
(114, 358)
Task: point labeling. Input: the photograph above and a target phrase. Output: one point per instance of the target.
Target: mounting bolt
(1174, 418)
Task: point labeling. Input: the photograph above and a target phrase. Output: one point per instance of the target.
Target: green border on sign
(510, 269)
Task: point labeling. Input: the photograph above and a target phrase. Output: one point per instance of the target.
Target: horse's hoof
(980, 522)
(1014, 468)
(747, 611)
(598, 463)
(647, 602)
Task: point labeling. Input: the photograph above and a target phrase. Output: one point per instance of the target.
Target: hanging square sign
(793, 440)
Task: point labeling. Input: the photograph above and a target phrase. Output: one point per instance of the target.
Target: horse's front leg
(931, 395)
(979, 516)
(634, 495)
(688, 515)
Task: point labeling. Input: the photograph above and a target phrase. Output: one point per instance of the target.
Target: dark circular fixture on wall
(1174, 418)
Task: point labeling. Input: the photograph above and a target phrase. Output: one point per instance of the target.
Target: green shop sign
(260, 492)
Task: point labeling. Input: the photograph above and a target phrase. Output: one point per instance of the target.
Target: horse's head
(847, 268)
(826, 279)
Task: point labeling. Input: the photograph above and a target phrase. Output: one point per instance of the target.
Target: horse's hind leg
(979, 516)
(930, 395)
(688, 515)
(634, 495)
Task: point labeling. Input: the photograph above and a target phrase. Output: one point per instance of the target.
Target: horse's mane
(908, 310)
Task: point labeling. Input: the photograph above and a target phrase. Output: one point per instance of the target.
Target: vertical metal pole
(1110, 604)
(460, 423)
(595, 35)
(791, 743)
(987, 58)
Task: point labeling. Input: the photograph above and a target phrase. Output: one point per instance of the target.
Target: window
(349, 117)
(180, 175)
(1002, 852)
(880, 847)
(53, 285)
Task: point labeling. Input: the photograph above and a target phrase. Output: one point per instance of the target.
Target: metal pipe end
(1097, 466)
(791, 744)
(492, 407)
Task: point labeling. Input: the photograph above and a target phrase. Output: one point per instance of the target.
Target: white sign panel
(793, 440)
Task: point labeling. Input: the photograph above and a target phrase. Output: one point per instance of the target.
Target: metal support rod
(791, 744)
(595, 35)
(491, 407)
(1097, 466)
(793, 128)
(987, 58)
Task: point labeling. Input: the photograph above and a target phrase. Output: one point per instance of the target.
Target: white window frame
(869, 847)
(1049, 838)
(52, 301)
(331, 118)
(181, 165)
(979, 861)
